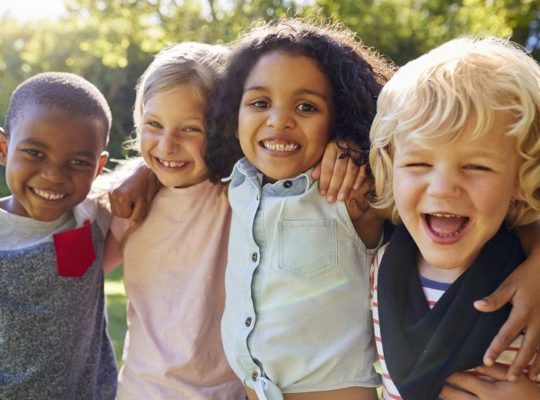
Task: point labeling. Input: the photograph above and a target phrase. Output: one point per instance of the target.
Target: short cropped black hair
(355, 72)
(66, 91)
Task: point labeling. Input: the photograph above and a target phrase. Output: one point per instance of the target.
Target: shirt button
(248, 321)
(254, 257)
(254, 375)
(287, 184)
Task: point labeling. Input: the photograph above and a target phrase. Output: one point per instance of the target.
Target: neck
(444, 275)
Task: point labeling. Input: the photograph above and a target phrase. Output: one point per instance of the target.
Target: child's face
(454, 197)
(51, 159)
(173, 138)
(284, 115)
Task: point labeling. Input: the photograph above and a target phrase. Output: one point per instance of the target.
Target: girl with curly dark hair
(297, 322)
(355, 73)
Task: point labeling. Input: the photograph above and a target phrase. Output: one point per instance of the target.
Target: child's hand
(521, 288)
(475, 388)
(367, 221)
(131, 199)
(337, 176)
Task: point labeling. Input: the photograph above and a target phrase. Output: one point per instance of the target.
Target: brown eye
(34, 153)
(306, 107)
(262, 104)
(154, 124)
(79, 163)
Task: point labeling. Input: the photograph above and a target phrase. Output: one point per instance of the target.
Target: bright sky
(25, 10)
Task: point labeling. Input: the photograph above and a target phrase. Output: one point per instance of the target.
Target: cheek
(319, 139)
(146, 144)
(492, 195)
(493, 202)
(241, 135)
(247, 125)
(83, 183)
(198, 147)
(404, 192)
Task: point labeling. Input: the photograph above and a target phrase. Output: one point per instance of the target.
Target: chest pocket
(307, 248)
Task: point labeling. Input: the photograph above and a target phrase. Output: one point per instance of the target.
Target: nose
(54, 173)
(443, 183)
(168, 143)
(280, 118)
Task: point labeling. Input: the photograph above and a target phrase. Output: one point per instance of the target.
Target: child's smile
(279, 146)
(173, 136)
(48, 195)
(171, 164)
(446, 228)
(453, 197)
(284, 116)
(52, 159)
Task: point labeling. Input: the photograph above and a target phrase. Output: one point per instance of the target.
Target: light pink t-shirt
(174, 266)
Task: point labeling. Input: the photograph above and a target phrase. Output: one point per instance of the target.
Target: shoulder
(91, 209)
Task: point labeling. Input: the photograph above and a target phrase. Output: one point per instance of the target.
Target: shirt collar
(244, 170)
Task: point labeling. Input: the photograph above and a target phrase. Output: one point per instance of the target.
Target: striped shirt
(433, 291)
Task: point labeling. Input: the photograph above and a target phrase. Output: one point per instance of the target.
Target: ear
(3, 146)
(517, 195)
(102, 161)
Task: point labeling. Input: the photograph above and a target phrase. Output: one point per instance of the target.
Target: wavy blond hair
(431, 100)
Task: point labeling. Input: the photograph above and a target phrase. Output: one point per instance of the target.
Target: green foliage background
(110, 42)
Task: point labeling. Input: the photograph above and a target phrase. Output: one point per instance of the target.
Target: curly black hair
(356, 74)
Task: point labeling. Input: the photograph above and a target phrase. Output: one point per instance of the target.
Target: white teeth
(171, 164)
(279, 146)
(48, 195)
(445, 215)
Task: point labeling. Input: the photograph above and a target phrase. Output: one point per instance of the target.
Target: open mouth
(48, 195)
(171, 164)
(446, 226)
(282, 146)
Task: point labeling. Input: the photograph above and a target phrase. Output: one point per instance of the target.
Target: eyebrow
(154, 115)
(298, 92)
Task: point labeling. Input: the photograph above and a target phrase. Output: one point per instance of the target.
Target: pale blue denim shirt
(297, 311)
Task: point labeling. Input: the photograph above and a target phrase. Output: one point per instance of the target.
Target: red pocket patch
(74, 251)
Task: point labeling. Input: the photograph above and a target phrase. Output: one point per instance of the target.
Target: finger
(327, 167)
(469, 383)
(139, 211)
(348, 181)
(360, 178)
(498, 298)
(534, 369)
(120, 207)
(316, 174)
(496, 371)
(336, 179)
(452, 393)
(511, 328)
(528, 349)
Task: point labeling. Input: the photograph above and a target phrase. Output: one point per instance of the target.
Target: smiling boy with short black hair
(53, 339)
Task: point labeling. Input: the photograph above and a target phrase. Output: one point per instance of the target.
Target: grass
(116, 309)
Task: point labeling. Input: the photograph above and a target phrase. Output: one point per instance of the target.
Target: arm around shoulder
(521, 289)
(368, 222)
(112, 256)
